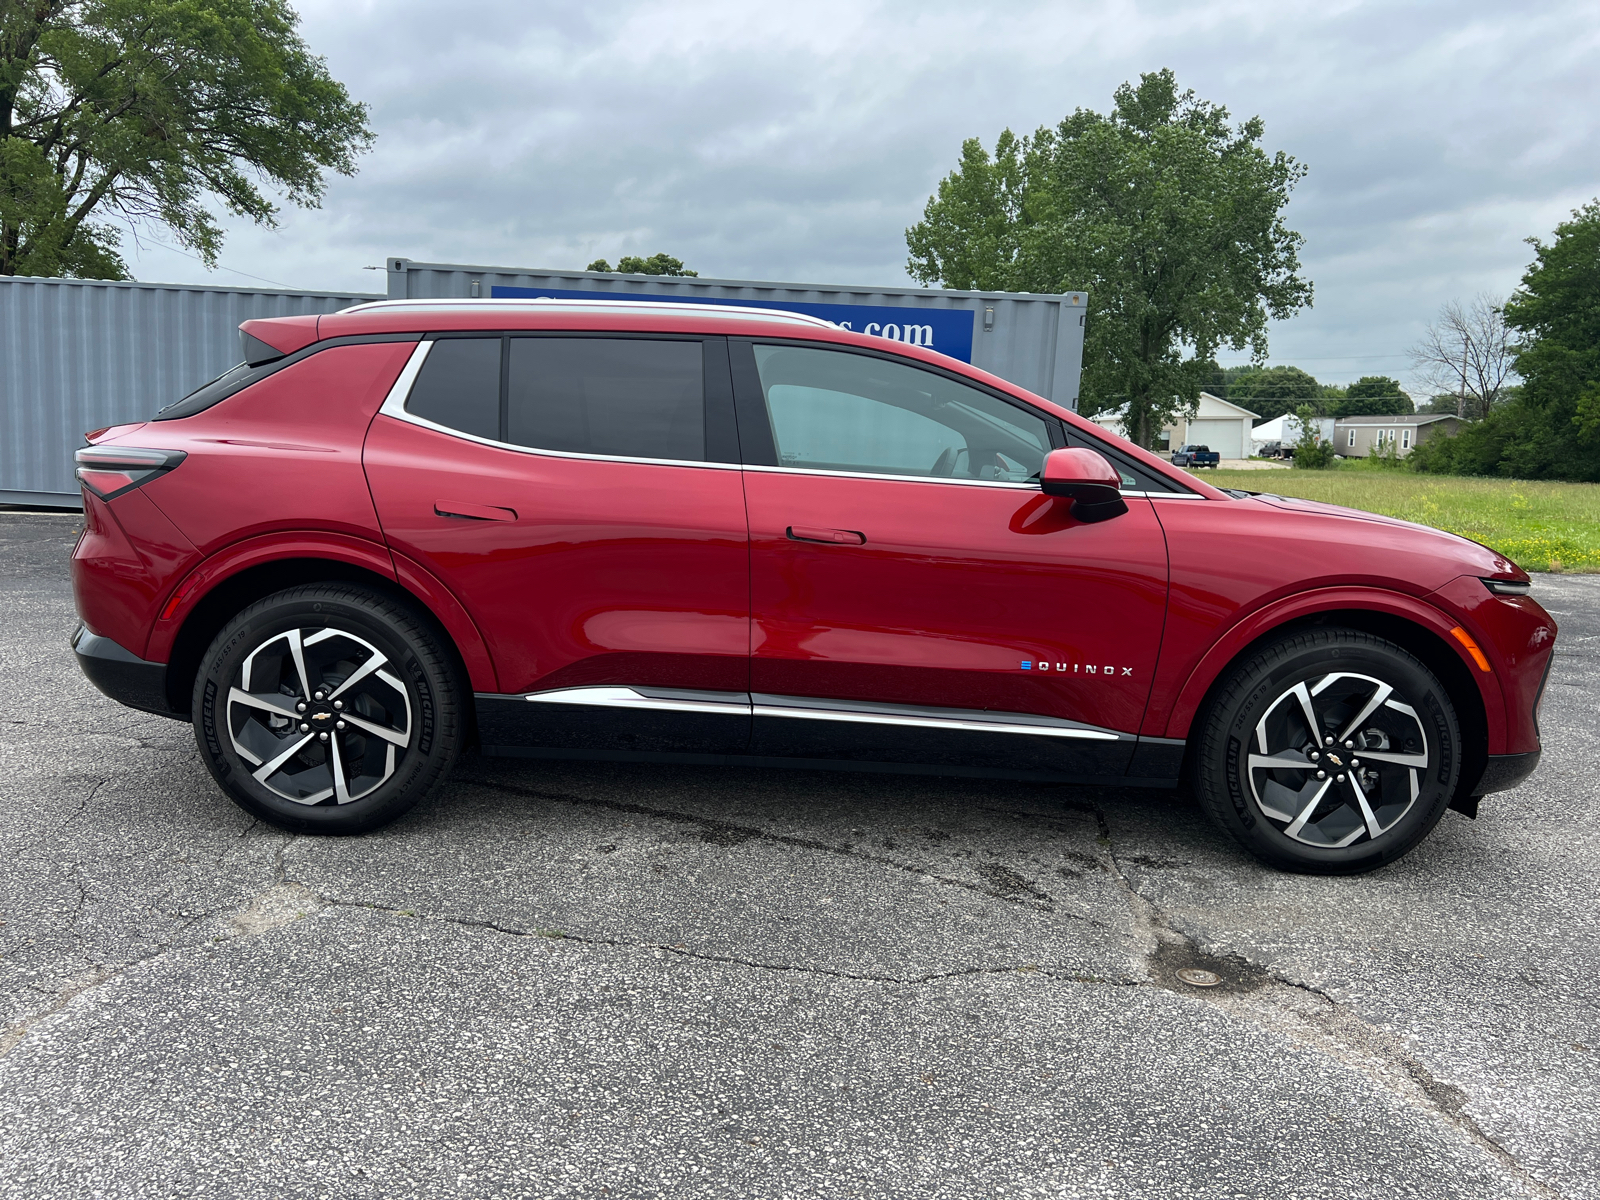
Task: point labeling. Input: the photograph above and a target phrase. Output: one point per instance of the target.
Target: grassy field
(1539, 526)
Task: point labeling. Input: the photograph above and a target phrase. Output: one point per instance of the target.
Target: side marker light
(1465, 638)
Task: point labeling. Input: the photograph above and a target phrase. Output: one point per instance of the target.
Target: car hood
(1475, 558)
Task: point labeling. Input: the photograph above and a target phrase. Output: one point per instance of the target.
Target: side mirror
(1093, 484)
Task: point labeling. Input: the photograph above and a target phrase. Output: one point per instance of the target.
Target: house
(1285, 431)
(1353, 437)
(1222, 426)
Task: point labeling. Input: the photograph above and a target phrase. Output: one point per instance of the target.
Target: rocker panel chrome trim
(806, 708)
(977, 720)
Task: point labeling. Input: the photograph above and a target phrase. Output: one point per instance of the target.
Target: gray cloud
(798, 141)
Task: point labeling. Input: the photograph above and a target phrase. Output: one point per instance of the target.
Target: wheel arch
(1414, 633)
(216, 591)
(1412, 636)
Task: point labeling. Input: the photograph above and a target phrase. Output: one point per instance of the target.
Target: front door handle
(840, 537)
(473, 512)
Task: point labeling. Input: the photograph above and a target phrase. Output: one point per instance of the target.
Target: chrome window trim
(743, 704)
(394, 405)
(992, 483)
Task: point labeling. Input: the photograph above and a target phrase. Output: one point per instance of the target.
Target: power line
(1325, 358)
(219, 266)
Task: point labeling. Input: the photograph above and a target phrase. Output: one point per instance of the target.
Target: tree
(656, 264)
(1467, 351)
(128, 113)
(1373, 396)
(1275, 391)
(1167, 215)
(1550, 427)
(1312, 452)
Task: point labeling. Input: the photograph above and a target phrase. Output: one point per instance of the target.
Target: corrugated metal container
(77, 354)
(1035, 341)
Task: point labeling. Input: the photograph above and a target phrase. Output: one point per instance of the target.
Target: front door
(581, 497)
(915, 597)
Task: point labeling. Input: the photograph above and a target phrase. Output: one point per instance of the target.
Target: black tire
(392, 728)
(1387, 804)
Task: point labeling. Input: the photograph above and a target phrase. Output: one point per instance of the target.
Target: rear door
(915, 597)
(581, 497)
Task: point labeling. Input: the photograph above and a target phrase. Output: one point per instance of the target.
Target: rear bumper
(1505, 771)
(123, 675)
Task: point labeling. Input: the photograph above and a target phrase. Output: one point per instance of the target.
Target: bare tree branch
(1467, 353)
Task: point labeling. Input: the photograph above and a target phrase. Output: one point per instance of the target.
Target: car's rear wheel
(327, 709)
(1329, 751)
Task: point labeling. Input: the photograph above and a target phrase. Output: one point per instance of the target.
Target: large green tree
(1275, 391)
(141, 113)
(1168, 215)
(1549, 428)
(1374, 396)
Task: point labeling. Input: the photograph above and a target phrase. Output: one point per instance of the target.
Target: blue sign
(947, 330)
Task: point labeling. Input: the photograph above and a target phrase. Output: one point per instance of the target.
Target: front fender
(1175, 722)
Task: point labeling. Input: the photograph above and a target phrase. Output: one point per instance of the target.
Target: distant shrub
(1311, 452)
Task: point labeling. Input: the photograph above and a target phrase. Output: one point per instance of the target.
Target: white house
(1285, 430)
(1217, 423)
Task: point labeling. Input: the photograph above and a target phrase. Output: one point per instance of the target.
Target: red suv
(678, 533)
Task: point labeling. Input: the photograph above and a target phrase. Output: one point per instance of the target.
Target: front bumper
(123, 675)
(1505, 771)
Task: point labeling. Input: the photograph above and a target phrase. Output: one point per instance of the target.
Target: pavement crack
(96, 976)
(681, 951)
(1306, 1015)
(730, 833)
(278, 875)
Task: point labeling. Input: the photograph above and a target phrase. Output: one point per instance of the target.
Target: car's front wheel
(327, 708)
(1329, 751)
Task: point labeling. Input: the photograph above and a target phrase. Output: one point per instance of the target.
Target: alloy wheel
(1336, 759)
(319, 716)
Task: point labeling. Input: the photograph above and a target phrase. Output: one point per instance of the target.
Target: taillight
(108, 471)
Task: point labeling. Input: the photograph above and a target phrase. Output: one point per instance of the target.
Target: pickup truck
(1195, 457)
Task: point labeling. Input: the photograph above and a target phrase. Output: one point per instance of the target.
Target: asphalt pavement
(618, 980)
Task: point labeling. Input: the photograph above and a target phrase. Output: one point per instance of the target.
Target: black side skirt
(733, 729)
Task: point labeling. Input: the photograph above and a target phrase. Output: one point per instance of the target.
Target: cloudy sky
(797, 141)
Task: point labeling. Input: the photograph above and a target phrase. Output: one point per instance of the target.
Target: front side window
(628, 397)
(836, 411)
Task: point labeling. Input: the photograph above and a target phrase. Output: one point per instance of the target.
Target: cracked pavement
(596, 979)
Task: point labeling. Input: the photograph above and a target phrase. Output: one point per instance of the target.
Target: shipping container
(1032, 340)
(79, 354)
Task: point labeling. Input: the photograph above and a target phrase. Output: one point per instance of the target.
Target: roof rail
(699, 309)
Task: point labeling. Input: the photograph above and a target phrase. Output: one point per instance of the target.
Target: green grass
(1539, 526)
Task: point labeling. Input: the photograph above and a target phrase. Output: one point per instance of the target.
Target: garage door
(1222, 436)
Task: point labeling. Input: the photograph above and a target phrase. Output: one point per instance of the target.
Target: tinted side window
(631, 397)
(459, 386)
(836, 411)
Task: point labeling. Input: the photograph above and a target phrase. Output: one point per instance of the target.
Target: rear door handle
(841, 537)
(473, 512)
